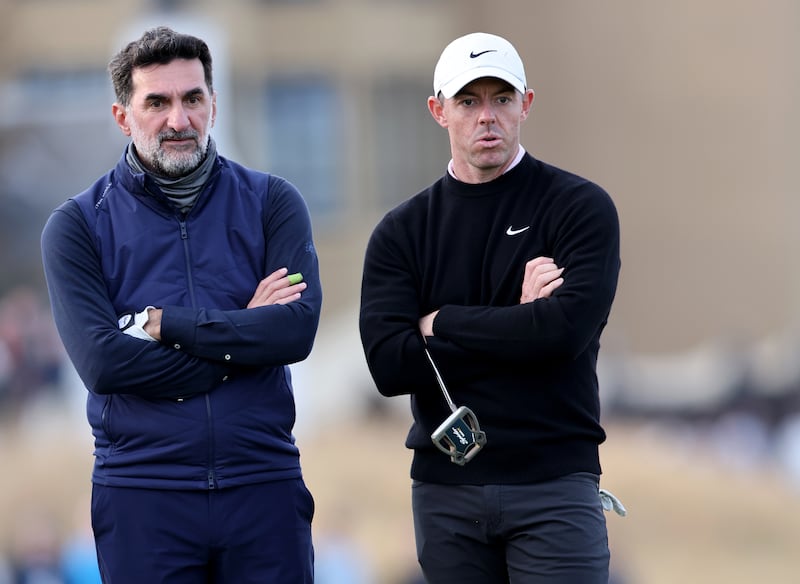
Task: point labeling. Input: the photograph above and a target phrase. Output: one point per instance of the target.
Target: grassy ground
(690, 519)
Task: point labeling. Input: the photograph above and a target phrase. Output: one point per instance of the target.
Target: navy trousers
(252, 534)
(552, 532)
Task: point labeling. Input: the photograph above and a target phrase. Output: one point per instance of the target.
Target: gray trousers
(549, 532)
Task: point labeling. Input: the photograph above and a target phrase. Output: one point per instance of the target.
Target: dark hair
(159, 45)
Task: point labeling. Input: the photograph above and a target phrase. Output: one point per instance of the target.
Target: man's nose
(487, 114)
(178, 118)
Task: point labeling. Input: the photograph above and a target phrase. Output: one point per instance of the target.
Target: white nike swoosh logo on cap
(512, 231)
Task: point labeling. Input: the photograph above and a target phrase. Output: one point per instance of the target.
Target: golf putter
(459, 436)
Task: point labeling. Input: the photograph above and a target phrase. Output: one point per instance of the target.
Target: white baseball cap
(476, 55)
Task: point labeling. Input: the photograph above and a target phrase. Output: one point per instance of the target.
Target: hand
(426, 324)
(153, 325)
(276, 289)
(542, 276)
(135, 324)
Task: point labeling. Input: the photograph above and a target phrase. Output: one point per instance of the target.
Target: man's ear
(121, 117)
(527, 103)
(437, 111)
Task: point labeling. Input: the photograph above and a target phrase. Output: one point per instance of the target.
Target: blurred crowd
(31, 354)
(32, 363)
(39, 553)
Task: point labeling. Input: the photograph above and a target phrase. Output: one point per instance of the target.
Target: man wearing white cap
(493, 286)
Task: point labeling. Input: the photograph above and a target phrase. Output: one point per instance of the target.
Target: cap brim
(455, 85)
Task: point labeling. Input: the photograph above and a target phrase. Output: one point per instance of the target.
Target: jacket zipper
(212, 479)
(187, 255)
(211, 475)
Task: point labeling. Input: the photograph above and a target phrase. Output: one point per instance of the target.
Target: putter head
(460, 436)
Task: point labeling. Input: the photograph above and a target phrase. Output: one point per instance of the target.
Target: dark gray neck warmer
(183, 190)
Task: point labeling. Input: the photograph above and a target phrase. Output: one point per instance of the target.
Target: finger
(534, 284)
(273, 277)
(267, 286)
(531, 265)
(544, 278)
(281, 295)
(537, 272)
(279, 273)
(540, 277)
(288, 299)
(547, 290)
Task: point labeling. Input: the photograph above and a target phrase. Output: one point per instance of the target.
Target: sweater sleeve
(389, 313)
(388, 321)
(267, 335)
(586, 244)
(107, 360)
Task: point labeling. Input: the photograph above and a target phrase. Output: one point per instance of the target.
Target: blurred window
(413, 148)
(38, 96)
(303, 139)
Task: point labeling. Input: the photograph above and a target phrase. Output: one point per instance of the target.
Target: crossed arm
(274, 289)
(542, 277)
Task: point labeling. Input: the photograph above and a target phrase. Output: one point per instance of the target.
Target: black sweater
(526, 370)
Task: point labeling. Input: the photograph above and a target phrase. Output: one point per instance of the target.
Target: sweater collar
(502, 183)
(517, 158)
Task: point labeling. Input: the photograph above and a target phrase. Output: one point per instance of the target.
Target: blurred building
(684, 111)
(330, 94)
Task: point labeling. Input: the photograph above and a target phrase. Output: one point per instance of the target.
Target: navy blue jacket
(211, 405)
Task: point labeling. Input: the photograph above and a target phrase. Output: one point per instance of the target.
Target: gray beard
(175, 167)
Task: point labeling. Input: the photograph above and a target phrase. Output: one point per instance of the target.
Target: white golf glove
(132, 323)
(611, 503)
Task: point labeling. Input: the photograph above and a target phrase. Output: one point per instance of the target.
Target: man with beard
(183, 285)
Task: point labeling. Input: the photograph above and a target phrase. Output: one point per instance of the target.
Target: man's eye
(468, 102)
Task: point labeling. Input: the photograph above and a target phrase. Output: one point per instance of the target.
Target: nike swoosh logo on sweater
(512, 231)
